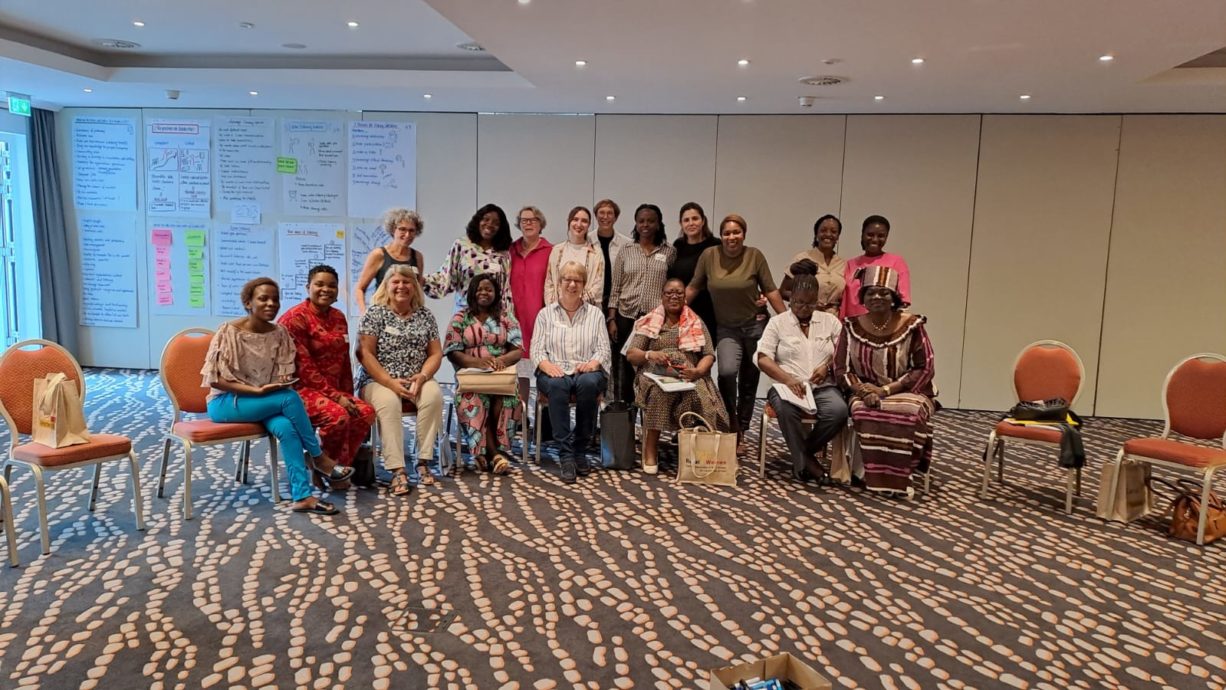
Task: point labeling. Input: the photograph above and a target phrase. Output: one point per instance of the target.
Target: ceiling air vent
(116, 44)
(823, 80)
(470, 47)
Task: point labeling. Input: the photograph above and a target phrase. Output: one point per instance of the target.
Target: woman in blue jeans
(250, 369)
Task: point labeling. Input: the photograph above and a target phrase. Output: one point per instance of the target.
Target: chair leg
(272, 466)
(523, 432)
(1115, 483)
(246, 462)
(537, 426)
(1078, 482)
(988, 452)
(1068, 490)
(10, 532)
(93, 489)
(187, 480)
(138, 505)
(41, 491)
(763, 426)
(1201, 523)
(162, 471)
(1000, 464)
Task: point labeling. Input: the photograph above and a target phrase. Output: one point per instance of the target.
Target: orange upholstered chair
(19, 367)
(838, 445)
(1043, 370)
(182, 360)
(1194, 404)
(6, 515)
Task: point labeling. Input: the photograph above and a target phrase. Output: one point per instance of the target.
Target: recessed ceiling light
(917, 61)
(427, 96)
(610, 98)
(138, 23)
(878, 98)
(294, 46)
(254, 93)
(1106, 58)
(351, 24)
(525, 2)
(246, 25)
(1024, 97)
(87, 90)
(741, 99)
(580, 63)
(743, 62)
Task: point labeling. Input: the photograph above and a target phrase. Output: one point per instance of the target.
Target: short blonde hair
(535, 211)
(573, 267)
(383, 297)
(395, 216)
(617, 210)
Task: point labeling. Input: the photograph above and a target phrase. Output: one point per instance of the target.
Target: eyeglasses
(675, 292)
(532, 219)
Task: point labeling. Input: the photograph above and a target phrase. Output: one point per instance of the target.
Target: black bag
(1052, 410)
(617, 437)
(364, 467)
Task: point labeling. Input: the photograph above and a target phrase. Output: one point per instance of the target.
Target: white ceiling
(655, 56)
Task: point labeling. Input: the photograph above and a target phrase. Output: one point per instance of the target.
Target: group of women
(590, 315)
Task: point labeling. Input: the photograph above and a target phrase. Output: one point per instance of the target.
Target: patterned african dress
(464, 261)
(660, 409)
(490, 338)
(325, 377)
(895, 438)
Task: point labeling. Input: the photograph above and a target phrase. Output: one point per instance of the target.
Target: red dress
(325, 376)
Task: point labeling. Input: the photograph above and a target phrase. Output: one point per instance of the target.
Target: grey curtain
(55, 279)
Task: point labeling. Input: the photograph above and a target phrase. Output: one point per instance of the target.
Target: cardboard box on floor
(782, 666)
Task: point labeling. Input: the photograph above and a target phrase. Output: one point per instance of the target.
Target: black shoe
(568, 471)
(858, 483)
(582, 466)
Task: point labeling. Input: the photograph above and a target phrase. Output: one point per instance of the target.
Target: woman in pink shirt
(873, 235)
(529, 264)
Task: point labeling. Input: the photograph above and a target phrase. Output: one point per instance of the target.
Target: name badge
(390, 330)
(660, 257)
(345, 337)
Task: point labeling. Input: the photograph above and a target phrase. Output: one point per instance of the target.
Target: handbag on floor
(1132, 499)
(617, 450)
(59, 420)
(1185, 510)
(501, 382)
(705, 456)
(364, 466)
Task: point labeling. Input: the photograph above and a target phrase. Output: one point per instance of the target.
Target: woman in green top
(740, 284)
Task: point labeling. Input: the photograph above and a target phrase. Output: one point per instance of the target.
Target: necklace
(880, 328)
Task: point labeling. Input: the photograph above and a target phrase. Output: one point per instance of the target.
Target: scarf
(689, 328)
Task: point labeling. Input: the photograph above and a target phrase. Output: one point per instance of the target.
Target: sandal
(425, 478)
(319, 508)
(502, 464)
(400, 485)
(482, 462)
(338, 473)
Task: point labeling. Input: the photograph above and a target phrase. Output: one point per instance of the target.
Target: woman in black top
(695, 238)
(403, 226)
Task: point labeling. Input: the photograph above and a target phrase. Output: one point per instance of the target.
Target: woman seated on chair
(325, 376)
(671, 340)
(250, 368)
(570, 349)
(884, 361)
(483, 336)
(399, 350)
(796, 350)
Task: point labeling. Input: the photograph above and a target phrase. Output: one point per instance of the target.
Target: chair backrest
(1048, 369)
(19, 367)
(182, 360)
(1194, 397)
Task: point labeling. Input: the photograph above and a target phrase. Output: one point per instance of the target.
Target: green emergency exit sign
(19, 105)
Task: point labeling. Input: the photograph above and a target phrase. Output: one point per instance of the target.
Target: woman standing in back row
(695, 239)
(823, 264)
(485, 248)
(404, 226)
(873, 235)
(638, 283)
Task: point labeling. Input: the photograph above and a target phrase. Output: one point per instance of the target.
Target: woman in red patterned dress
(325, 375)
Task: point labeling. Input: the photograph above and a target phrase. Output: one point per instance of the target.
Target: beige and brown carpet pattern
(618, 581)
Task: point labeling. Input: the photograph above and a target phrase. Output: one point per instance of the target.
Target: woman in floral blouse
(325, 377)
(399, 350)
(483, 336)
(484, 249)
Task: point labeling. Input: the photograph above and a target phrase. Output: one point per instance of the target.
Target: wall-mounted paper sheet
(363, 238)
(316, 185)
(104, 163)
(382, 167)
(177, 168)
(108, 272)
(240, 253)
(245, 157)
(179, 269)
(301, 246)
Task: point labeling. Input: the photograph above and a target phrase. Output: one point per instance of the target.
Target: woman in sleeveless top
(403, 226)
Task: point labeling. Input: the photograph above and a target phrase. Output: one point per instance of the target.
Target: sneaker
(582, 466)
(568, 471)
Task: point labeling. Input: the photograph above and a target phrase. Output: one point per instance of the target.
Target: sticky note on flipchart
(194, 238)
(161, 237)
(196, 279)
(165, 299)
(195, 266)
(195, 252)
(287, 166)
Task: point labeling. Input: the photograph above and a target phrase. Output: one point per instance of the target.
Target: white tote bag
(58, 417)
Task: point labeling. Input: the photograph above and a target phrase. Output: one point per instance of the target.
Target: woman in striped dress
(884, 361)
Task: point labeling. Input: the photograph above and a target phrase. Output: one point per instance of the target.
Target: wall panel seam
(970, 253)
(1102, 317)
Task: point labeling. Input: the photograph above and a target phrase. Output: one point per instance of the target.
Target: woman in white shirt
(796, 350)
(576, 248)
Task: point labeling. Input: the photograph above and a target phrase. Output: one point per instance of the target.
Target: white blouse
(794, 352)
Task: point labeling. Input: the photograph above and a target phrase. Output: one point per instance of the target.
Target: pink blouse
(851, 295)
(255, 359)
(528, 284)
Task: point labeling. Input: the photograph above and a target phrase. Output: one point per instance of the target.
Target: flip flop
(320, 508)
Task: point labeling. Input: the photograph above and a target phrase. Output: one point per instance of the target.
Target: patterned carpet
(618, 581)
